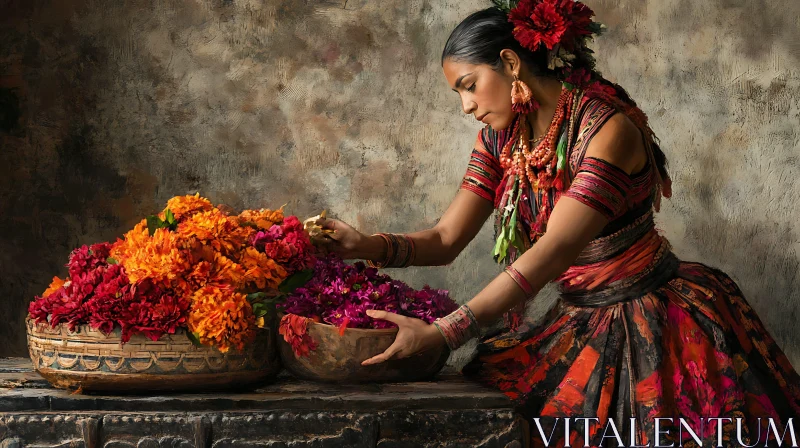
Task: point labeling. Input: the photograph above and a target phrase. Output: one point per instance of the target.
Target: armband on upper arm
(602, 186)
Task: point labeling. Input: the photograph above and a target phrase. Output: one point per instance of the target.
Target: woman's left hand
(413, 336)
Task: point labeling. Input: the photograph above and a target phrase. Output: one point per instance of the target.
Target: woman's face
(485, 93)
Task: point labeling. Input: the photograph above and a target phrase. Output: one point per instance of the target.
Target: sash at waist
(663, 268)
(611, 246)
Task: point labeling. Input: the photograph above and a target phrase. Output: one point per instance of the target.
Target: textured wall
(107, 109)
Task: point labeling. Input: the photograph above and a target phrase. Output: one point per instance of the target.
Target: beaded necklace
(533, 180)
(537, 166)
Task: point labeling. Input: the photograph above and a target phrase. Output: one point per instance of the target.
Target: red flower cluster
(579, 77)
(64, 304)
(287, 244)
(192, 266)
(294, 330)
(100, 294)
(551, 23)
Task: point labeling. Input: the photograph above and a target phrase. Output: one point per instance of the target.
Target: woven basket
(92, 361)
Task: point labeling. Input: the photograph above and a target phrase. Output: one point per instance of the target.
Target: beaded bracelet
(458, 327)
(521, 281)
(400, 251)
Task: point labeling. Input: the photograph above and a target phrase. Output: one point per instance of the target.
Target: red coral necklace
(543, 166)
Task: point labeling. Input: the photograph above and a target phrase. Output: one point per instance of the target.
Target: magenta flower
(340, 294)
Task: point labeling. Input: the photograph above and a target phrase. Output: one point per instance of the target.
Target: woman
(570, 165)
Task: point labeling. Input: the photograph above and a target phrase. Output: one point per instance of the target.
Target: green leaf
(260, 310)
(154, 223)
(517, 242)
(512, 223)
(296, 280)
(504, 5)
(596, 28)
(256, 297)
(499, 242)
(195, 338)
(507, 233)
(503, 249)
(561, 152)
(170, 221)
(111, 260)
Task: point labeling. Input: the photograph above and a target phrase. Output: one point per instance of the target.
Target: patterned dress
(636, 333)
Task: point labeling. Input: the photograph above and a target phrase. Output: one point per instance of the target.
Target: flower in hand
(413, 336)
(339, 237)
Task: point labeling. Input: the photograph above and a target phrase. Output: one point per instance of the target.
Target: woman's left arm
(572, 225)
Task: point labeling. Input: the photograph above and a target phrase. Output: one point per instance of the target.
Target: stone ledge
(446, 412)
(27, 392)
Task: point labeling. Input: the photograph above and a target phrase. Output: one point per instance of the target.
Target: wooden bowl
(338, 358)
(92, 361)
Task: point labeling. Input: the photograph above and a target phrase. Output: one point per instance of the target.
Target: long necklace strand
(538, 167)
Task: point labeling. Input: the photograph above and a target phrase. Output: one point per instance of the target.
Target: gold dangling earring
(522, 100)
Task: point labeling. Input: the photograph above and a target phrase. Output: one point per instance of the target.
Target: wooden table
(447, 412)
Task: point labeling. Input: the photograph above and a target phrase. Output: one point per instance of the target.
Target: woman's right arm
(463, 219)
(436, 246)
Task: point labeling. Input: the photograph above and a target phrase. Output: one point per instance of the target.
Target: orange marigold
(222, 317)
(214, 229)
(156, 257)
(55, 285)
(137, 237)
(263, 218)
(185, 206)
(263, 271)
(226, 271)
(219, 270)
(198, 277)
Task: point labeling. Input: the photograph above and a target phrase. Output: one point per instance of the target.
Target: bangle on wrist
(521, 281)
(400, 251)
(458, 327)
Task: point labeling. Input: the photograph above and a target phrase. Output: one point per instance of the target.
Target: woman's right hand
(348, 242)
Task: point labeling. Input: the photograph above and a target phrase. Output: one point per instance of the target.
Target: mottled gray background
(107, 109)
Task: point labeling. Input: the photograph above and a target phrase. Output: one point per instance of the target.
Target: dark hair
(481, 37)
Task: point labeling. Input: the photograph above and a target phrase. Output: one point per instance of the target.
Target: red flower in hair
(598, 88)
(579, 77)
(538, 22)
(578, 18)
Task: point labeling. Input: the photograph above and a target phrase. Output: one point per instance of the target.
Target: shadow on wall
(107, 109)
(759, 248)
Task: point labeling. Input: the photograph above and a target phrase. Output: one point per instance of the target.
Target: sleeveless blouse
(628, 257)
